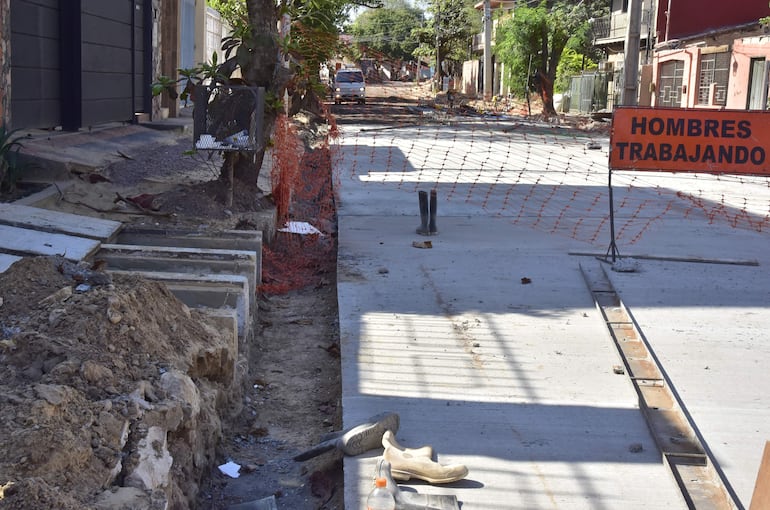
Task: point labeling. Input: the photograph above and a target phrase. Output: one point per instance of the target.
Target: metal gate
(670, 83)
(588, 92)
(81, 65)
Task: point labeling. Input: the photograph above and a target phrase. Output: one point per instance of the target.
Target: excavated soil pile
(103, 383)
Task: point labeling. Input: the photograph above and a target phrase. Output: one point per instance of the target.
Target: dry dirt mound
(102, 386)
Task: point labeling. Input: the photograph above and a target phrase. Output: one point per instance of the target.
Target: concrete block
(22, 241)
(207, 291)
(7, 261)
(248, 240)
(181, 260)
(45, 220)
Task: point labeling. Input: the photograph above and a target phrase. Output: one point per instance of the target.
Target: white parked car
(349, 85)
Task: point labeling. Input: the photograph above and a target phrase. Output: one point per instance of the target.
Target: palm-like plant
(9, 158)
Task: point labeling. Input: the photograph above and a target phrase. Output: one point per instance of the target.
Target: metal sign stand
(613, 248)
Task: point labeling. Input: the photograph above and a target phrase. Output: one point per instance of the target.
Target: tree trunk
(545, 89)
(262, 70)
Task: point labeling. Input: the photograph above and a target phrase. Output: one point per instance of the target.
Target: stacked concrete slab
(204, 269)
(217, 271)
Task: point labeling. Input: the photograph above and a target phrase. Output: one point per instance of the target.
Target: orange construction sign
(678, 140)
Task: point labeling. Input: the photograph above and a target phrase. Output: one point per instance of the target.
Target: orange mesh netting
(303, 192)
(551, 177)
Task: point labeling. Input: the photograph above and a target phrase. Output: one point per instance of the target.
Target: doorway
(757, 85)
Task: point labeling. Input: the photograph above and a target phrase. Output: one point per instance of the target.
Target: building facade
(70, 65)
(693, 53)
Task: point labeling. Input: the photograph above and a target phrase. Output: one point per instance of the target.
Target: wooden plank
(6, 261)
(21, 241)
(761, 497)
(35, 218)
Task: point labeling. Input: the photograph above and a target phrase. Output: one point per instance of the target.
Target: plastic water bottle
(380, 498)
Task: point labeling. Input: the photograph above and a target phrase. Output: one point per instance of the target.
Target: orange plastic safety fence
(547, 177)
(303, 191)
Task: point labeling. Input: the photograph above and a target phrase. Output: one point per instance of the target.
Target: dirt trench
(114, 394)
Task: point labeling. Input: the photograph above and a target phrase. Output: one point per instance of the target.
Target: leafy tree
(388, 30)
(532, 42)
(570, 64)
(253, 48)
(450, 29)
(233, 12)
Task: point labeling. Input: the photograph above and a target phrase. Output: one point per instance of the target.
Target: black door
(35, 64)
(81, 66)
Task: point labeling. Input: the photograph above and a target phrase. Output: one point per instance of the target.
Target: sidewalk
(516, 381)
(55, 155)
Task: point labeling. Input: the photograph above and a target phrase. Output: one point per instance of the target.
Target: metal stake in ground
(432, 229)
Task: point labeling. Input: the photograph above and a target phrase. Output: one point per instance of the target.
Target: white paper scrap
(231, 469)
(299, 227)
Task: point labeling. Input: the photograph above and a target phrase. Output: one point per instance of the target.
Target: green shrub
(10, 169)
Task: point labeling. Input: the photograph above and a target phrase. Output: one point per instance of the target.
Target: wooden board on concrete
(22, 241)
(46, 220)
(761, 498)
(6, 261)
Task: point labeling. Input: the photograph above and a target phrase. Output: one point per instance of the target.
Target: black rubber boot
(432, 229)
(423, 228)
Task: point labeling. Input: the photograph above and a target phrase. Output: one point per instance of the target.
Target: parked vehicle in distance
(349, 85)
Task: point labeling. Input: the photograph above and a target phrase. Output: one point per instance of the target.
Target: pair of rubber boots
(427, 213)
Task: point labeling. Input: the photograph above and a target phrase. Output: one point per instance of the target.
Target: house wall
(470, 77)
(5, 62)
(690, 58)
(744, 50)
(167, 28)
(200, 33)
(216, 30)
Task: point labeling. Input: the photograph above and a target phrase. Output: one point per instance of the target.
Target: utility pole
(487, 50)
(631, 65)
(438, 46)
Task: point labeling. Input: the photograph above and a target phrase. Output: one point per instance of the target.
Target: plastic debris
(626, 266)
(300, 227)
(230, 469)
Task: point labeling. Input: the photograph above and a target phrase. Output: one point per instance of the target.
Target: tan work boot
(357, 440)
(389, 441)
(404, 466)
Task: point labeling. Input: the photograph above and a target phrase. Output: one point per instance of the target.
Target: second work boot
(432, 229)
(389, 441)
(423, 228)
(404, 466)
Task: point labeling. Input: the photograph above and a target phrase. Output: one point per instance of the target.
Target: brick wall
(5, 61)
